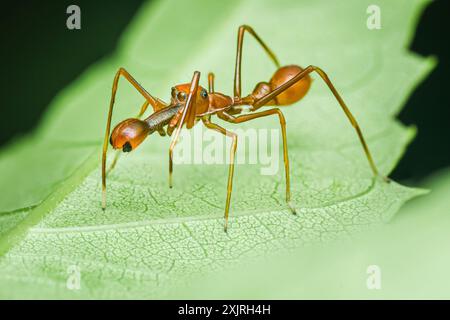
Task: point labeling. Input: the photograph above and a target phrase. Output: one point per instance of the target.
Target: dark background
(40, 56)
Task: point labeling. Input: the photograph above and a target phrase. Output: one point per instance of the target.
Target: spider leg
(211, 82)
(276, 112)
(263, 100)
(240, 42)
(156, 103)
(232, 135)
(181, 119)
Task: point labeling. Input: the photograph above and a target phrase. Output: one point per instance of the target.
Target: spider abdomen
(291, 95)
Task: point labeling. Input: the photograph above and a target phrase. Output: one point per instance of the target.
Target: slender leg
(237, 69)
(211, 82)
(276, 112)
(189, 104)
(174, 121)
(156, 103)
(232, 135)
(263, 100)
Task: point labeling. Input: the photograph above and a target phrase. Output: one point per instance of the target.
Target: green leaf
(152, 240)
(411, 254)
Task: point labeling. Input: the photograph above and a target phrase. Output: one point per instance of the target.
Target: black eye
(126, 147)
(181, 96)
(204, 94)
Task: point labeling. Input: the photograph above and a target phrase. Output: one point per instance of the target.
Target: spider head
(128, 134)
(180, 95)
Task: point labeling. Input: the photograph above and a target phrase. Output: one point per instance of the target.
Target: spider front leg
(156, 103)
(276, 112)
(211, 82)
(180, 118)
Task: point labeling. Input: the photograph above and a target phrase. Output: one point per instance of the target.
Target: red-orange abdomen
(296, 91)
(281, 76)
(128, 134)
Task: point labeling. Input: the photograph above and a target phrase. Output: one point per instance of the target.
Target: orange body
(128, 134)
(281, 76)
(190, 103)
(216, 102)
